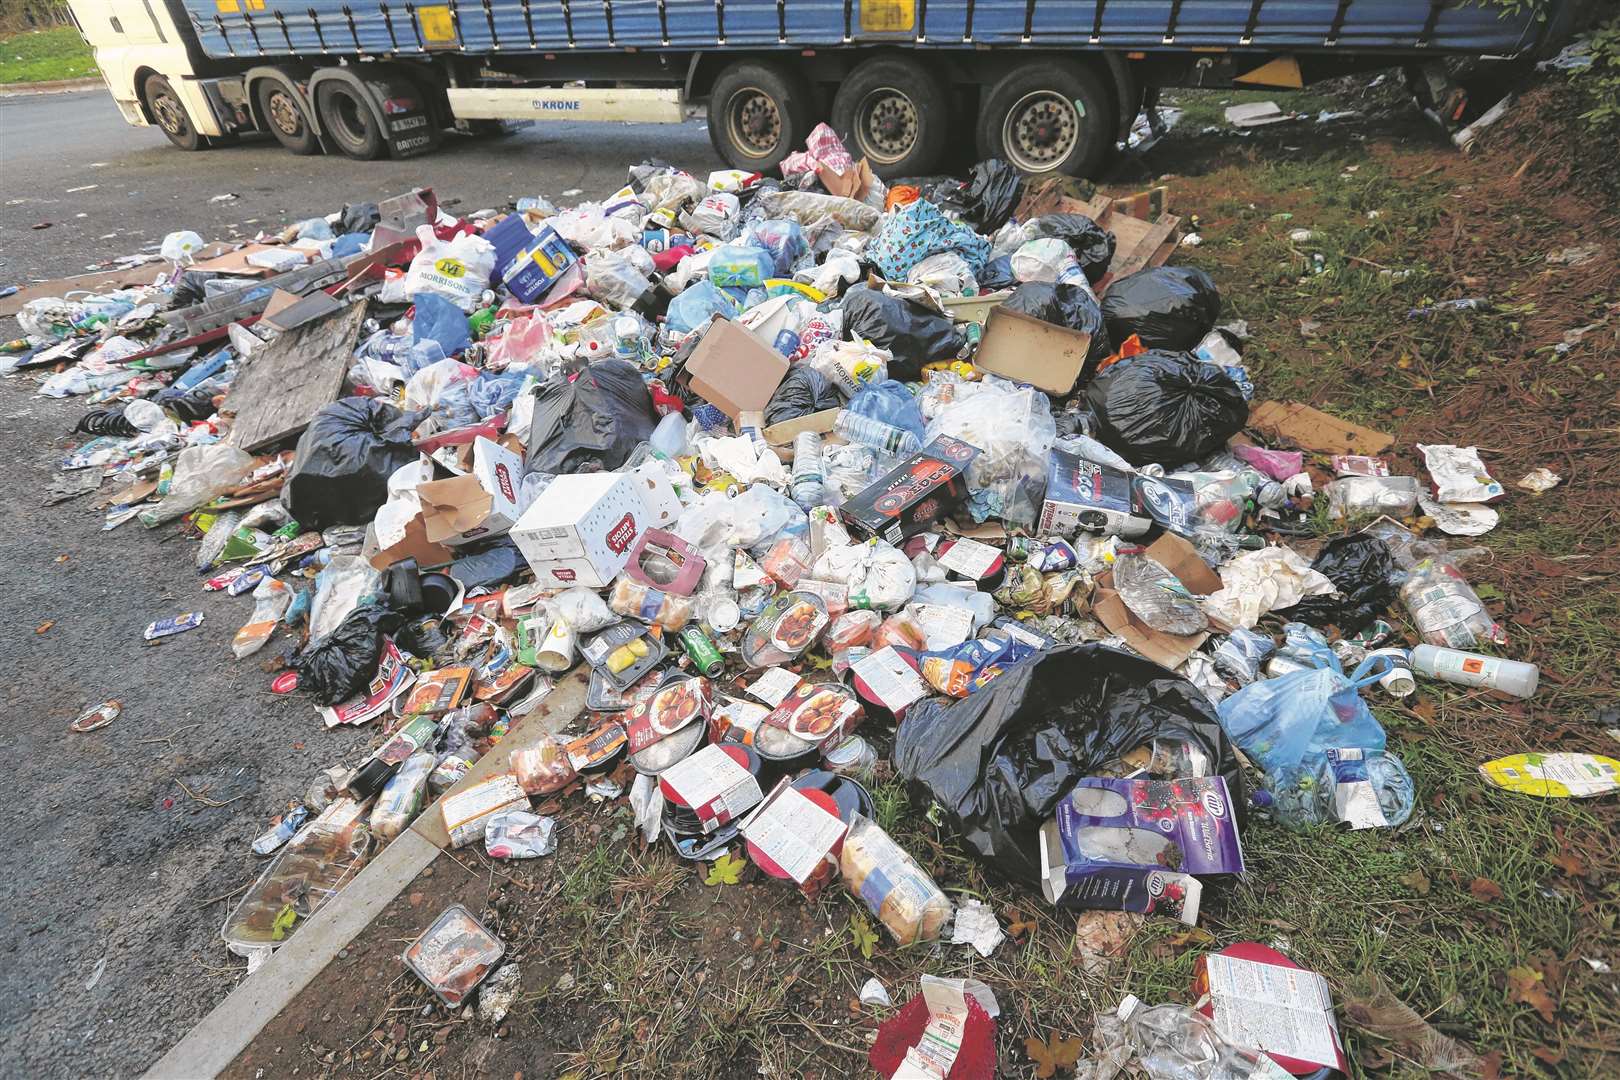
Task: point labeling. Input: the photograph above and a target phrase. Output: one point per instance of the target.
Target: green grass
(45, 55)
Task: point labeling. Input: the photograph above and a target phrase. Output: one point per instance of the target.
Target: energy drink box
(914, 495)
(1082, 494)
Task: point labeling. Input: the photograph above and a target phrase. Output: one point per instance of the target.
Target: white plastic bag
(457, 269)
(614, 280)
(200, 473)
(715, 216)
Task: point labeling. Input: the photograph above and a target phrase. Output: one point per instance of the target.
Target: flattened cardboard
(734, 370)
(1024, 349)
(415, 545)
(477, 505)
(287, 311)
(1314, 430)
(1167, 650)
(784, 433)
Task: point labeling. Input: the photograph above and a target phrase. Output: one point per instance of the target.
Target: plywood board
(291, 378)
(1314, 430)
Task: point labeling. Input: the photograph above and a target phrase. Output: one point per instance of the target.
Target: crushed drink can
(282, 831)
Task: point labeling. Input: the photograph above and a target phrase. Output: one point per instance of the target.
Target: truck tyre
(284, 116)
(759, 113)
(170, 115)
(1048, 117)
(347, 120)
(894, 112)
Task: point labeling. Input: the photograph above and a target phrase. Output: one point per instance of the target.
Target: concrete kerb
(210, 1047)
(51, 86)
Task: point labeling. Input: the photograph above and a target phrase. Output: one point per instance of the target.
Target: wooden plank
(643, 106)
(1129, 262)
(291, 378)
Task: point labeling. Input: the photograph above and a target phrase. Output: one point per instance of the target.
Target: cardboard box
(1027, 350)
(529, 263)
(478, 504)
(1082, 494)
(1166, 650)
(733, 370)
(657, 494)
(914, 495)
(581, 530)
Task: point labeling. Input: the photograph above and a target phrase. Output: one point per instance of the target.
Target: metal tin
(97, 716)
(705, 657)
(454, 955)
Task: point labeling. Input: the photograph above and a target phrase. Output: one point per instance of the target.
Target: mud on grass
(1484, 913)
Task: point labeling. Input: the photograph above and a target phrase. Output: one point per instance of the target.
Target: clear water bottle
(809, 486)
(882, 437)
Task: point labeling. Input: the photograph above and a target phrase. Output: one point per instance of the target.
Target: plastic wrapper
(1000, 760)
(640, 601)
(200, 474)
(271, 598)
(696, 305)
(1445, 608)
(309, 871)
(586, 227)
(402, 798)
(1459, 475)
(338, 665)
(716, 215)
(758, 515)
(1167, 307)
(910, 331)
(784, 240)
(1357, 496)
(1238, 655)
(543, 768)
(851, 629)
(1014, 431)
(902, 630)
(946, 272)
(741, 265)
(819, 213)
(787, 626)
(890, 882)
(1165, 407)
(341, 466)
(518, 834)
(592, 422)
(614, 279)
(1092, 245)
(1047, 259)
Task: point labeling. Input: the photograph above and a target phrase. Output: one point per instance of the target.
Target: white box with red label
(581, 529)
(478, 504)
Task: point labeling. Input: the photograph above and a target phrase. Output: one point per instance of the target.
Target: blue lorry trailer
(1049, 85)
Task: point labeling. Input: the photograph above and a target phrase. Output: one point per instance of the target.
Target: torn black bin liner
(1362, 570)
(592, 423)
(1065, 305)
(803, 391)
(1001, 760)
(337, 666)
(341, 467)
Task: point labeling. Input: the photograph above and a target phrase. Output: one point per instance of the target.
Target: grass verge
(44, 56)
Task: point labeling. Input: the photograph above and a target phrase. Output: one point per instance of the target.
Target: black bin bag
(336, 666)
(1168, 307)
(1000, 761)
(341, 467)
(1165, 407)
(1093, 245)
(915, 333)
(591, 424)
(1362, 570)
(803, 391)
(1064, 305)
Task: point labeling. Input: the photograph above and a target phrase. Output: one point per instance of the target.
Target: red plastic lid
(735, 751)
(285, 683)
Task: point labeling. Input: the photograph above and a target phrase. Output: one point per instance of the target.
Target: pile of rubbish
(797, 482)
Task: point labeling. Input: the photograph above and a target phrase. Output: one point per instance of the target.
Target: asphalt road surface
(115, 879)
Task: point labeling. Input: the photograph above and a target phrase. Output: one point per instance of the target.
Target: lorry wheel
(1048, 117)
(285, 118)
(758, 114)
(346, 117)
(894, 112)
(170, 115)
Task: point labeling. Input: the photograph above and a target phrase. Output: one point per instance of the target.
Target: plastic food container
(669, 725)
(623, 653)
(454, 955)
(786, 627)
(310, 870)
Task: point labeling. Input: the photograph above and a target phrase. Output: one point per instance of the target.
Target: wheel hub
(284, 114)
(1040, 131)
(886, 125)
(756, 122)
(169, 115)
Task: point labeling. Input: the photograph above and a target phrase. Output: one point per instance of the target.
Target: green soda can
(705, 657)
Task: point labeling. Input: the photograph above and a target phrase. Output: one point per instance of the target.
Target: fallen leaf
(1017, 925)
(1547, 1055)
(1417, 881)
(1490, 1066)
(1528, 987)
(1569, 862)
(44, 626)
(864, 937)
(1102, 937)
(725, 870)
(1053, 1054)
(1485, 890)
(287, 916)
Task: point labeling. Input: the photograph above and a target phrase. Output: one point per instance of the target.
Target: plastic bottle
(809, 486)
(882, 437)
(1445, 608)
(1471, 669)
